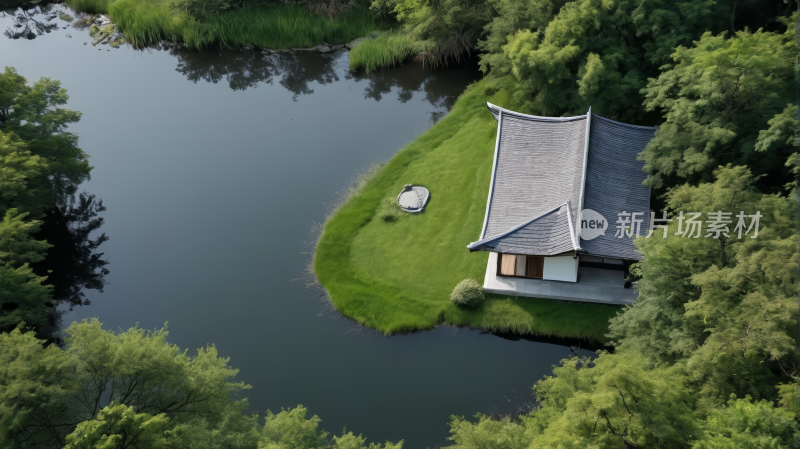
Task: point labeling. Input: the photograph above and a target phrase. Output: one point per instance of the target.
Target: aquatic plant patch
(397, 275)
(386, 49)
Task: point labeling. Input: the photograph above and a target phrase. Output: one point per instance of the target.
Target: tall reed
(147, 22)
(285, 27)
(387, 49)
(91, 6)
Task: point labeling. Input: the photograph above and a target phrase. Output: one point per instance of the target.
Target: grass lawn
(397, 276)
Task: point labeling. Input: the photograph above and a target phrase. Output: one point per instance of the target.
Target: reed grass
(146, 22)
(388, 49)
(91, 6)
(287, 26)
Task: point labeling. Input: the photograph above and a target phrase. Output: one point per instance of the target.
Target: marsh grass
(289, 26)
(388, 49)
(397, 277)
(91, 6)
(146, 22)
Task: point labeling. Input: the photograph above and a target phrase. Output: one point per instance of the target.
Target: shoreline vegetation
(374, 37)
(396, 275)
(265, 25)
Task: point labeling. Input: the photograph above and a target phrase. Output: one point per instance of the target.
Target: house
(554, 222)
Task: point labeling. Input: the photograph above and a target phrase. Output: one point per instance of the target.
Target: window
(520, 265)
(535, 268)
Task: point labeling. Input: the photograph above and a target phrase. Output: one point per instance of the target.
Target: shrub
(468, 293)
(389, 210)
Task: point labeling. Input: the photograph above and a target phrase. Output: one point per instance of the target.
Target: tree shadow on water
(73, 264)
(247, 69)
(28, 20)
(298, 71)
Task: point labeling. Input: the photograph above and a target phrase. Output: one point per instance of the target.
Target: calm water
(214, 166)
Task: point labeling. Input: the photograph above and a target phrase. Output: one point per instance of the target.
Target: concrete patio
(594, 285)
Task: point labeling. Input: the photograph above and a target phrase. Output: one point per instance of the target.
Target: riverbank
(267, 25)
(397, 276)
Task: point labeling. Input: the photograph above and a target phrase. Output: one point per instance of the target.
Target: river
(214, 167)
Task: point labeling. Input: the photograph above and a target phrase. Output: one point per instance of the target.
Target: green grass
(387, 49)
(397, 276)
(269, 26)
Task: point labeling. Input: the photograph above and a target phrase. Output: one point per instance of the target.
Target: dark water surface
(214, 166)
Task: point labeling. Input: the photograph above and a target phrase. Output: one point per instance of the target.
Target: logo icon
(592, 224)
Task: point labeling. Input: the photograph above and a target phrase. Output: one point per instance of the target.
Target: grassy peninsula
(397, 275)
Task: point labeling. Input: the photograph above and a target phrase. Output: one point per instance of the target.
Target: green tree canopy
(748, 424)
(599, 53)
(724, 100)
(724, 305)
(12, 85)
(24, 297)
(133, 389)
(23, 177)
(36, 115)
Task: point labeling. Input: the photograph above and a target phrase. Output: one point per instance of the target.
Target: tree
(599, 53)
(119, 426)
(133, 368)
(12, 85)
(725, 305)
(133, 389)
(747, 423)
(37, 117)
(512, 16)
(23, 183)
(614, 401)
(17, 245)
(724, 101)
(23, 295)
(489, 433)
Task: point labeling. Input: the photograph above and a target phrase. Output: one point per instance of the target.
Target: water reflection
(298, 71)
(28, 21)
(73, 263)
(247, 69)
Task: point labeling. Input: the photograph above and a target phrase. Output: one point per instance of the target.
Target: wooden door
(534, 267)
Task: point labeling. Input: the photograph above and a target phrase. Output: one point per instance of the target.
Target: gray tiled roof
(539, 171)
(546, 235)
(539, 167)
(614, 182)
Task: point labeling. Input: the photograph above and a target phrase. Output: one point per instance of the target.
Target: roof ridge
(495, 110)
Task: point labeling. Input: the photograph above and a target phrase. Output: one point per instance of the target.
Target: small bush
(468, 293)
(389, 210)
(66, 17)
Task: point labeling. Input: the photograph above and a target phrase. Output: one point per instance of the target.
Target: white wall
(560, 268)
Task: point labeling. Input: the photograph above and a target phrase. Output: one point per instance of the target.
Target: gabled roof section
(538, 167)
(548, 234)
(614, 179)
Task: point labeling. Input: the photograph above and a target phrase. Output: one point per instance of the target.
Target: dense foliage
(46, 253)
(133, 389)
(707, 356)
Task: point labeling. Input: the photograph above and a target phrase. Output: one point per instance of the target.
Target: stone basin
(413, 198)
